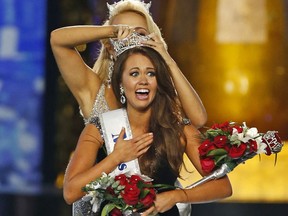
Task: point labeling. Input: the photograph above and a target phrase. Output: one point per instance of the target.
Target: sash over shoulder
(111, 123)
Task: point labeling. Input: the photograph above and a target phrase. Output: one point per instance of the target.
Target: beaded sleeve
(100, 106)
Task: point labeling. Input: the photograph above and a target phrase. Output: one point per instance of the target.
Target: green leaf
(143, 193)
(85, 189)
(217, 152)
(219, 159)
(115, 184)
(164, 186)
(107, 209)
(141, 184)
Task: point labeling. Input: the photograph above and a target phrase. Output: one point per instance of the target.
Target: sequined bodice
(100, 106)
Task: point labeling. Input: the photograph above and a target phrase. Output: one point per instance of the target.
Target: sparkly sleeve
(96, 122)
(100, 106)
(83, 208)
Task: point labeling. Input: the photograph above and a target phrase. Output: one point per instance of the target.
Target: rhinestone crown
(133, 40)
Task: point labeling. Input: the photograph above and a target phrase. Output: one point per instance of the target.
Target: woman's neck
(139, 121)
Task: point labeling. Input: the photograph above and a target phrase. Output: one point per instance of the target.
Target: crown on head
(111, 7)
(133, 40)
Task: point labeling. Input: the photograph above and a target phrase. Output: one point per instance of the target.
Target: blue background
(22, 65)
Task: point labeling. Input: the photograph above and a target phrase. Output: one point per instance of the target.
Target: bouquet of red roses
(228, 144)
(123, 193)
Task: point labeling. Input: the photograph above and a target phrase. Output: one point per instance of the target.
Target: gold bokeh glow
(245, 80)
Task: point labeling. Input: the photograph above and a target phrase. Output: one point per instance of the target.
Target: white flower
(104, 175)
(146, 178)
(127, 213)
(252, 132)
(95, 186)
(241, 137)
(261, 146)
(259, 140)
(245, 136)
(244, 126)
(234, 137)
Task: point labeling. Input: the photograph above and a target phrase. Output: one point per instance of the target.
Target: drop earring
(122, 96)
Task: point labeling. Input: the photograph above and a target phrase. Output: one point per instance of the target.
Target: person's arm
(208, 192)
(191, 102)
(79, 77)
(82, 168)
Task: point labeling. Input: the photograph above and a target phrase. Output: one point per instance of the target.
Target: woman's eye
(134, 74)
(151, 74)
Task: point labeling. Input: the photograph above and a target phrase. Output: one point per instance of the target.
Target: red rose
(115, 212)
(237, 151)
(253, 146)
(122, 179)
(227, 147)
(225, 126)
(207, 164)
(215, 126)
(238, 128)
(220, 141)
(218, 125)
(148, 200)
(131, 194)
(205, 147)
(134, 179)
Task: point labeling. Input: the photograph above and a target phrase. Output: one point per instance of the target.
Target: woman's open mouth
(142, 94)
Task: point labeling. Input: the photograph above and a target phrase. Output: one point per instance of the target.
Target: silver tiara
(133, 40)
(111, 7)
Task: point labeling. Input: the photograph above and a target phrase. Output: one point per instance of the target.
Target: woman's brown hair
(165, 120)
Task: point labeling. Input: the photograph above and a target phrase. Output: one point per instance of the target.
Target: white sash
(111, 123)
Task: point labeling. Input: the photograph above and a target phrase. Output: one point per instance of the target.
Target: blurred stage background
(234, 53)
